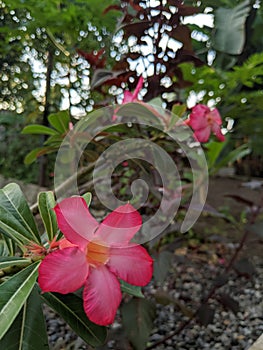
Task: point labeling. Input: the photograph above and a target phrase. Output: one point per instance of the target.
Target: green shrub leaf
(46, 203)
(38, 130)
(28, 331)
(16, 219)
(138, 316)
(14, 293)
(70, 307)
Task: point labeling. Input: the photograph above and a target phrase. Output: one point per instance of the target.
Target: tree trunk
(43, 159)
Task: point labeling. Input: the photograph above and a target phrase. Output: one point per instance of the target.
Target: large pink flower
(96, 256)
(205, 121)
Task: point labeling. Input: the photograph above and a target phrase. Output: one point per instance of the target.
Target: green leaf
(60, 121)
(88, 197)
(230, 28)
(38, 130)
(214, 149)
(28, 331)
(3, 248)
(36, 153)
(70, 307)
(179, 109)
(32, 155)
(16, 219)
(231, 157)
(14, 293)
(13, 261)
(46, 203)
(138, 316)
(10, 244)
(162, 263)
(132, 290)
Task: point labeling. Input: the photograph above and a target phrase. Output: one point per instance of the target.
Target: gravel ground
(189, 284)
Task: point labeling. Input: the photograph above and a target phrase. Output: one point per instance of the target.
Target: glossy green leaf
(13, 261)
(32, 156)
(70, 307)
(28, 331)
(231, 157)
(14, 293)
(16, 219)
(214, 149)
(88, 197)
(132, 290)
(179, 109)
(230, 28)
(3, 248)
(46, 203)
(38, 130)
(60, 121)
(36, 153)
(138, 316)
(10, 245)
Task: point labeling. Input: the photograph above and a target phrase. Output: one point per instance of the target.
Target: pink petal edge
(132, 264)
(120, 226)
(63, 271)
(75, 220)
(101, 296)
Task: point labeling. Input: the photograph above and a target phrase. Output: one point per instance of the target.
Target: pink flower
(205, 121)
(131, 96)
(96, 256)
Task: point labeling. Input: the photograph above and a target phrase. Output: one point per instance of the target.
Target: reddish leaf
(94, 59)
(229, 303)
(205, 315)
(244, 267)
(256, 228)
(188, 10)
(136, 28)
(182, 33)
(110, 8)
(240, 199)
(221, 280)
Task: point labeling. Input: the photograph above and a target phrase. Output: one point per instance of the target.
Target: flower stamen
(97, 253)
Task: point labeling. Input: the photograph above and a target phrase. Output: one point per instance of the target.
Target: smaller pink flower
(95, 256)
(131, 96)
(205, 121)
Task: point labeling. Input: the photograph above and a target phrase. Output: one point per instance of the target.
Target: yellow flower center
(97, 253)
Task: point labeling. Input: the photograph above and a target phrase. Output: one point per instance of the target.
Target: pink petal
(64, 243)
(75, 220)
(132, 264)
(198, 122)
(202, 135)
(63, 271)
(200, 109)
(101, 296)
(120, 226)
(127, 97)
(217, 131)
(198, 117)
(138, 88)
(216, 116)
